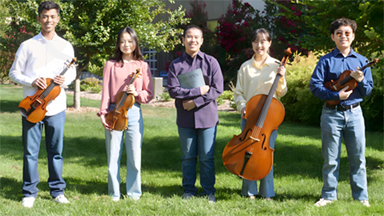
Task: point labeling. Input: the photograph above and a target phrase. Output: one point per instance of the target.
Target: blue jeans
(267, 189)
(31, 133)
(133, 143)
(349, 125)
(198, 142)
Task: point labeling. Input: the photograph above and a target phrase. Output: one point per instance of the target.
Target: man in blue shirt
(196, 112)
(344, 120)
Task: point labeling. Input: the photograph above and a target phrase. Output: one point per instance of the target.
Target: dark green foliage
(374, 103)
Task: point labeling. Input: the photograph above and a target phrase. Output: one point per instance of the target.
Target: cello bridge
(254, 139)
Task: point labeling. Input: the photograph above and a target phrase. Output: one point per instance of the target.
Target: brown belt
(342, 108)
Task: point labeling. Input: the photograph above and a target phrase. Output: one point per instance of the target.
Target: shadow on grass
(162, 153)
(11, 188)
(88, 187)
(167, 191)
(9, 106)
(229, 119)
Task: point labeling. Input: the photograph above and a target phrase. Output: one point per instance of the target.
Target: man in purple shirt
(197, 116)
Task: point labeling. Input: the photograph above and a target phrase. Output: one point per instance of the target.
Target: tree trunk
(76, 94)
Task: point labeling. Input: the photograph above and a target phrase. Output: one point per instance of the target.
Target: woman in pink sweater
(116, 77)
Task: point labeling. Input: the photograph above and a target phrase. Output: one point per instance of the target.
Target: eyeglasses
(339, 34)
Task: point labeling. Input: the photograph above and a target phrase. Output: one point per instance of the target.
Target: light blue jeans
(336, 125)
(267, 188)
(198, 142)
(133, 143)
(54, 132)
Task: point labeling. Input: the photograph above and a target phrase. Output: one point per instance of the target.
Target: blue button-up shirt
(204, 115)
(330, 67)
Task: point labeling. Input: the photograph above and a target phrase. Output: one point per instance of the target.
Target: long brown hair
(118, 55)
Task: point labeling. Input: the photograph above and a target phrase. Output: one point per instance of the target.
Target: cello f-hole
(262, 145)
(242, 139)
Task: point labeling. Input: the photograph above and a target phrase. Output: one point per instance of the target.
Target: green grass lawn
(297, 170)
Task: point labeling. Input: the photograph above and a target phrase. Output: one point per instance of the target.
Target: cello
(249, 155)
(34, 107)
(345, 79)
(117, 118)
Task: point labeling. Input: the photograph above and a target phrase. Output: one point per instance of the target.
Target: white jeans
(133, 143)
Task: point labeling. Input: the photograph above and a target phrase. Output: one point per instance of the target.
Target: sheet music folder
(191, 79)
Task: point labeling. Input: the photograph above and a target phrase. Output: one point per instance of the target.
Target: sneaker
(115, 199)
(187, 196)
(365, 203)
(28, 202)
(135, 198)
(61, 199)
(323, 202)
(211, 198)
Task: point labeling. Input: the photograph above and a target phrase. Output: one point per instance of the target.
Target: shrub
(9, 44)
(91, 85)
(165, 96)
(300, 104)
(373, 104)
(227, 95)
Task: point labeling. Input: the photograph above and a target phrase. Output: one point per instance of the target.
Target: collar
(336, 52)
(40, 37)
(267, 62)
(185, 55)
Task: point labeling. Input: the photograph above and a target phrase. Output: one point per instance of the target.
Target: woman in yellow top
(254, 77)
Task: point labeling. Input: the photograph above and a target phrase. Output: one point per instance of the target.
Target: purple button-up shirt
(204, 115)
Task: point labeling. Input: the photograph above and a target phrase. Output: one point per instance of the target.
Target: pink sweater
(116, 78)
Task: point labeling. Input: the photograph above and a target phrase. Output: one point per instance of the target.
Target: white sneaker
(211, 198)
(28, 202)
(365, 203)
(61, 199)
(115, 199)
(323, 202)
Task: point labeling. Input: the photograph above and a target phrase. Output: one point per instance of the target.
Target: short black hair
(190, 27)
(48, 5)
(342, 22)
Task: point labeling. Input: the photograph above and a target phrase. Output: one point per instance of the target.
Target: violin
(34, 107)
(345, 79)
(249, 155)
(117, 118)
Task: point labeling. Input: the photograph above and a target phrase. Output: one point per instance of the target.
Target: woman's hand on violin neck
(344, 94)
(104, 123)
(131, 90)
(243, 112)
(281, 71)
(59, 80)
(358, 75)
(40, 83)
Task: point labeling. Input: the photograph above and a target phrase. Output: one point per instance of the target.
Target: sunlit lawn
(297, 166)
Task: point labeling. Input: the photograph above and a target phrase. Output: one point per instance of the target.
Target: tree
(316, 16)
(92, 27)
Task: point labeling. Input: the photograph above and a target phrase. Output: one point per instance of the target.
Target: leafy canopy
(92, 26)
